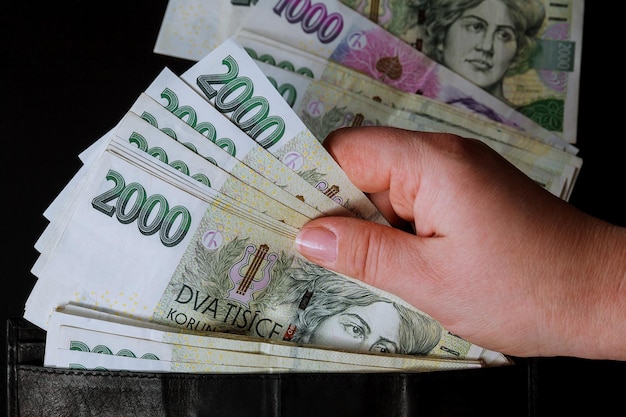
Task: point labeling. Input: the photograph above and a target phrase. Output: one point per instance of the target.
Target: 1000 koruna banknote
(331, 30)
(526, 52)
(195, 27)
(325, 107)
(351, 40)
(157, 245)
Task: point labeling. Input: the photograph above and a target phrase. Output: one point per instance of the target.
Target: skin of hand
(495, 258)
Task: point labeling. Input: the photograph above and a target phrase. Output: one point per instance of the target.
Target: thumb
(382, 256)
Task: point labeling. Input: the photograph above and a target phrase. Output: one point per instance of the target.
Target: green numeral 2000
(134, 205)
(250, 113)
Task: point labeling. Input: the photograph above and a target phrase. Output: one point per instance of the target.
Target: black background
(73, 68)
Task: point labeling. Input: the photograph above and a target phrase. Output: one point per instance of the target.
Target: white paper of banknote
(194, 27)
(60, 210)
(541, 80)
(324, 108)
(148, 241)
(104, 333)
(184, 102)
(233, 83)
(164, 148)
(57, 205)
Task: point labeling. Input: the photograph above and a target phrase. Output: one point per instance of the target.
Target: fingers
(378, 255)
(381, 201)
(479, 225)
(439, 182)
(377, 160)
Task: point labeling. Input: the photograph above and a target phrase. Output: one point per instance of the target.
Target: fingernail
(318, 244)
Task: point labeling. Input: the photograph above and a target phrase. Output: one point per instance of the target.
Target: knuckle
(365, 256)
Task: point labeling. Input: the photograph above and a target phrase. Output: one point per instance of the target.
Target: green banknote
(164, 148)
(90, 361)
(155, 244)
(531, 48)
(289, 58)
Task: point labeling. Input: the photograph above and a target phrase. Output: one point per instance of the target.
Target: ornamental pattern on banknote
(370, 52)
(321, 110)
(395, 16)
(285, 64)
(300, 148)
(547, 112)
(81, 367)
(324, 123)
(203, 294)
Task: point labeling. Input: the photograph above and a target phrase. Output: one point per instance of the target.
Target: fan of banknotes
(172, 248)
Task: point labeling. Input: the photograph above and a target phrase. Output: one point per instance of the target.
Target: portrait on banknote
(347, 315)
(482, 40)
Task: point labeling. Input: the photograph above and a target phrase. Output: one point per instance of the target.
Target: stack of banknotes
(172, 248)
(348, 62)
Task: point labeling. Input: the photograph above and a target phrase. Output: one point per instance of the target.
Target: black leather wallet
(34, 390)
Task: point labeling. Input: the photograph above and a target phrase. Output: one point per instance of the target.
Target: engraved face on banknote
(347, 315)
(536, 71)
(482, 39)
